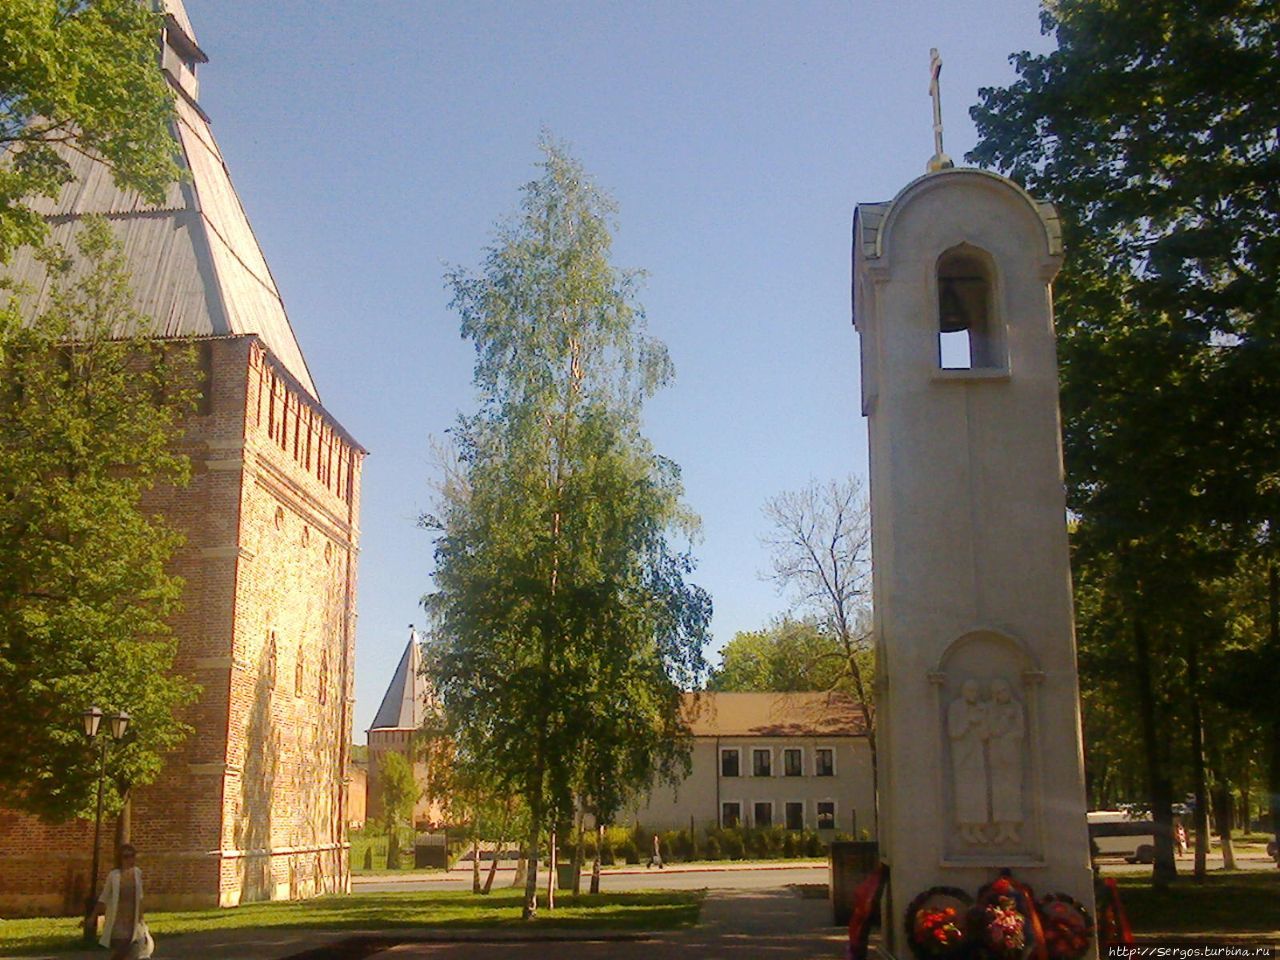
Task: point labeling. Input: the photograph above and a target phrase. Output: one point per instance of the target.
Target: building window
(762, 763)
(298, 674)
(795, 815)
(826, 814)
(792, 762)
(824, 762)
(323, 692)
(729, 762)
(967, 336)
(730, 814)
(271, 660)
(762, 813)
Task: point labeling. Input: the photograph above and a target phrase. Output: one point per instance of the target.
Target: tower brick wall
(252, 805)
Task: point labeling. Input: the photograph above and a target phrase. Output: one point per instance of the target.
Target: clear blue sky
(374, 143)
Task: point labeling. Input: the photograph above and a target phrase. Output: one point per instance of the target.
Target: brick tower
(399, 717)
(252, 806)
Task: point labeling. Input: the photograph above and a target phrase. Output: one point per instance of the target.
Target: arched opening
(968, 335)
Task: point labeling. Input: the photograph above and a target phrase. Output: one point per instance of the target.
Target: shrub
(813, 845)
(680, 844)
(606, 852)
(790, 845)
(617, 836)
(627, 851)
(672, 845)
(712, 848)
(731, 841)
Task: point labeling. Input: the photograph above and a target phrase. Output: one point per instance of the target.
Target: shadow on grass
(1242, 904)
(433, 910)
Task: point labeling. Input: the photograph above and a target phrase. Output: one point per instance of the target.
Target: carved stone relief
(987, 734)
(985, 686)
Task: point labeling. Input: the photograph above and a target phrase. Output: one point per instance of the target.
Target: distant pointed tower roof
(402, 704)
(196, 265)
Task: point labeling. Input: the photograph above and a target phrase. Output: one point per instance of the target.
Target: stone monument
(978, 709)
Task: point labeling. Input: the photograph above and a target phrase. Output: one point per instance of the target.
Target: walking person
(655, 858)
(124, 932)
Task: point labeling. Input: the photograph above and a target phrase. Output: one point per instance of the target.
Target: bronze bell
(951, 313)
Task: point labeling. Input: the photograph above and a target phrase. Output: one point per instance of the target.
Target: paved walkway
(767, 924)
(463, 870)
(771, 924)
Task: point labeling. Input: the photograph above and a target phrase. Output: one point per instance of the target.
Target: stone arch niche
(987, 688)
(971, 333)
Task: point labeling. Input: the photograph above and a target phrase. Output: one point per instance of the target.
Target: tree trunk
(475, 861)
(595, 864)
(393, 848)
(1246, 785)
(1198, 773)
(531, 879)
(522, 869)
(552, 870)
(1164, 869)
(1273, 779)
(1220, 799)
(1222, 816)
(577, 858)
(493, 864)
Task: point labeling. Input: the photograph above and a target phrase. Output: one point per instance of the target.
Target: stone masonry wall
(290, 713)
(252, 804)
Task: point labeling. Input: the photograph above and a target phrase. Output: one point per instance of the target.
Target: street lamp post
(119, 724)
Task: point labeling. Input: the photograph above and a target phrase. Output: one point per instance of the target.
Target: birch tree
(563, 615)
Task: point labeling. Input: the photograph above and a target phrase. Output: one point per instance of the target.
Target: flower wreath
(1067, 926)
(938, 923)
(1005, 919)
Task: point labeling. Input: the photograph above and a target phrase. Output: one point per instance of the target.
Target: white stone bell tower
(978, 712)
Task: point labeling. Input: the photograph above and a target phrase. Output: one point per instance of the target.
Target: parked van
(1114, 833)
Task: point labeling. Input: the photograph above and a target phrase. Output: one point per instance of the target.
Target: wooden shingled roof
(196, 265)
(821, 714)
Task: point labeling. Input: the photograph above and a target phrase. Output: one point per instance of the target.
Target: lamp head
(119, 724)
(92, 718)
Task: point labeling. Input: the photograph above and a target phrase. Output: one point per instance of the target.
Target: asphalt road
(672, 878)
(762, 877)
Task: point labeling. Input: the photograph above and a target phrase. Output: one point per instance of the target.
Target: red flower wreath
(938, 923)
(1067, 926)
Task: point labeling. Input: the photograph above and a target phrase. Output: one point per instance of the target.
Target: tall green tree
(399, 791)
(565, 623)
(786, 655)
(88, 421)
(1153, 129)
(84, 74)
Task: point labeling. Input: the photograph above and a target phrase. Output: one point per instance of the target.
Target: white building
(791, 760)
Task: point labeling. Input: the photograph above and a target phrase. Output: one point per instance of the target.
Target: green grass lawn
(656, 910)
(1245, 904)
